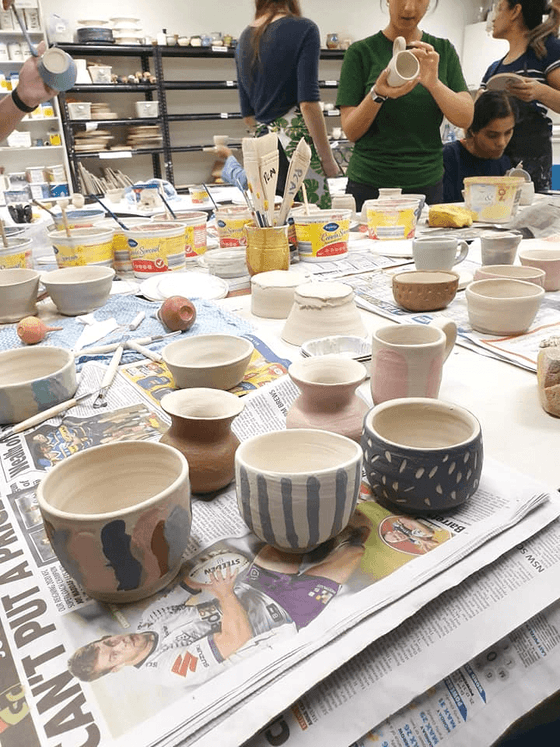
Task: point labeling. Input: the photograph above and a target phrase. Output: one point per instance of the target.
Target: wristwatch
(377, 98)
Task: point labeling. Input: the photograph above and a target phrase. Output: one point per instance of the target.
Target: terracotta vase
(201, 430)
(328, 399)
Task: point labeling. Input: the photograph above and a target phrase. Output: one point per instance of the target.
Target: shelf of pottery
(33, 157)
(175, 129)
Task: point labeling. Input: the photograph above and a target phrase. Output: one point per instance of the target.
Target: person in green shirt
(396, 130)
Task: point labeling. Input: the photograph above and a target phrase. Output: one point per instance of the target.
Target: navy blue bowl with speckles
(422, 454)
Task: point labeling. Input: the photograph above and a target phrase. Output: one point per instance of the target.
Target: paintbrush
(111, 213)
(42, 416)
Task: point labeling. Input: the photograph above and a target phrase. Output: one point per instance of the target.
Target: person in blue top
(277, 60)
(534, 54)
(481, 152)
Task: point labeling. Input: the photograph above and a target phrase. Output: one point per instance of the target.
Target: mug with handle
(404, 65)
(407, 359)
(438, 252)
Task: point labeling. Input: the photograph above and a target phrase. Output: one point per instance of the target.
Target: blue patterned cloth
(210, 319)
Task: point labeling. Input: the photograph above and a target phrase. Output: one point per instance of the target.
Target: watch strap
(377, 98)
(19, 103)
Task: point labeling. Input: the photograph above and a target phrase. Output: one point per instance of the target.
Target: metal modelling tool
(108, 378)
(42, 416)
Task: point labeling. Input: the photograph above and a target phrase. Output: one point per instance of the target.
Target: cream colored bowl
(215, 361)
(502, 306)
(513, 272)
(78, 290)
(18, 293)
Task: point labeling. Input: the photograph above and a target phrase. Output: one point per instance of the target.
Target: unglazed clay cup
(422, 454)
(297, 488)
(502, 306)
(438, 252)
(272, 293)
(214, 361)
(18, 293)
(514, 272)
(547, 260)
(425, 290)
(119, 532)
(499, 248)
(78, 290)
(33, 379)
(321, 309)
(407, 359)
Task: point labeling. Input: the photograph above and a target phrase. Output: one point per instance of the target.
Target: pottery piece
(424, 290)
(515, 272)
(18, 293)
(201, 430)
(321, 309)
(34, 379)
(79, 290)
(225, 263)
(438, 252)
(328, 399)
(403, 66)
(407, 359)
(214, 361)
(267, 248)
(547, 260)
(502, 306)
(422, 454)
(346, 345)
(297, 488)
(548, 375)
(119, 532)
(272, 293)
(499, 248)
(385, 192)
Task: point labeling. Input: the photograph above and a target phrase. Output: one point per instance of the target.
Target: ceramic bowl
(34, 379)
(18, 293)
(119, 532)
(502, 306)
(78, 290)
(357, 348)
(272, 293)
(425, 290)
(514, 272)
(321, 309)
(547, 260)
(297, 488)
(422, 454)
(215, 361)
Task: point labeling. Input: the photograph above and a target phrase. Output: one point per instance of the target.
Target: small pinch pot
(514, 272)
(297, 488)
(119, 532)
(78, 290)
(547, 260)
(214, 361)
(502, 306)
(425, 290)
(422, 454)
(34, 379)
(18, 293)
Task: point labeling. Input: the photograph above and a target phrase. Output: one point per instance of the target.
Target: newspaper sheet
(186, 681)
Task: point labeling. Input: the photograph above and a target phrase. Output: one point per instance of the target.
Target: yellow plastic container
(230, 223)
(493, 198)
(195, 233)
(391, 219)
(16, 254)
(84, 246)
(323, 234)
(156, 247)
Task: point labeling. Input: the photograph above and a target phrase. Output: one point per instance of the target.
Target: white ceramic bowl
(502, 306)
(297, 488)
(78, 290)
(514, 272)
(215, 361)
(18, 293)
(34, 379)
(547, 259)
(356, 348)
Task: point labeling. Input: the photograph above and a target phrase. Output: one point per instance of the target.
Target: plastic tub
(79, 218)
(230, 222)
(16, 254)
(323, 234)
(85, 246)
(195, 234)
(156, 247)
(391, 219)
(121, 251)
(493, 198)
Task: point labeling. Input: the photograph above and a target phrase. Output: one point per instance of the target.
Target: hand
(31, 88)
(393, 92)
(330, 167)
(220, 585)
(429, 63)
(222, 151)
(527, 90)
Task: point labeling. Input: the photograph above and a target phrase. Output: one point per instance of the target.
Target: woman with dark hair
(534, 53)
(396, 131)
(278, 78)
(481, 152)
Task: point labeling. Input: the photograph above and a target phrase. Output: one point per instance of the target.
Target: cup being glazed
(422, 454)
(297, 488)
(321, 309)
(18, 293)
(201, 430)
(547, 260)
(328, 399)
(407, 359)
(119, 532)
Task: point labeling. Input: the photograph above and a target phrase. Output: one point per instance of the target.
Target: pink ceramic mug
(407, 359)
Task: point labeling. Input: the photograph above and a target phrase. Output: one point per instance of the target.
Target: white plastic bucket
(156, 247)
(195, 234)
(493, 198)
(230, 223)
(80, 218)
(323, 235)
(16, 254)
(85, 246)
(391, 219)
(121, 251)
